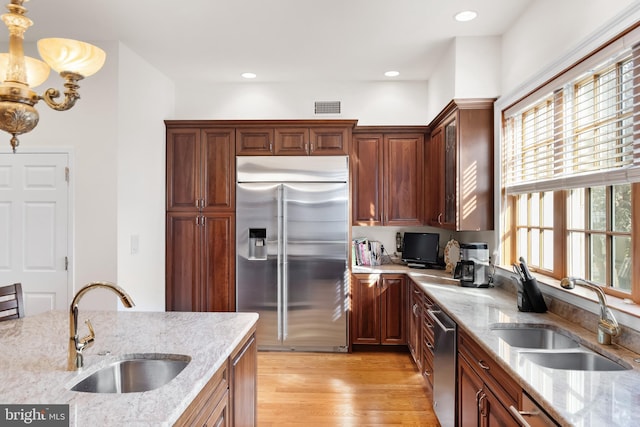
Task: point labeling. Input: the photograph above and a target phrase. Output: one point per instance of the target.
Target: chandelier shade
(19, 74)
(73, 56)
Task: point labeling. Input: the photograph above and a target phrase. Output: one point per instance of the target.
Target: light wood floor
(329, 389)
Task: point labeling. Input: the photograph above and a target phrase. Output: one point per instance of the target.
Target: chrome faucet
(76, 345)
(607, 325)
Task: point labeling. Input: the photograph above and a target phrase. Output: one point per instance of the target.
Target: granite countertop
(573, 398)
(33, 359)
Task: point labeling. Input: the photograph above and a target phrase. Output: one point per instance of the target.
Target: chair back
(11, 302)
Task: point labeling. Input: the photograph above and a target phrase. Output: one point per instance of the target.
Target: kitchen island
(572, 397)
(33, 361)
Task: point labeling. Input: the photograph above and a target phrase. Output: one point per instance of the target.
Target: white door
(34, 224)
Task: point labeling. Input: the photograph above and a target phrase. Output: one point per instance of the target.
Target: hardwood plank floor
(337, 389)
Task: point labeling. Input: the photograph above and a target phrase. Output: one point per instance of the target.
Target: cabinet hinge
(66, 263)
(66, 174)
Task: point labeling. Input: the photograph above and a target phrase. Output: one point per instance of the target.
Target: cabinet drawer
(487, 368)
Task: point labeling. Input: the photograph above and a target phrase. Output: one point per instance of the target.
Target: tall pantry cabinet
(200, 224)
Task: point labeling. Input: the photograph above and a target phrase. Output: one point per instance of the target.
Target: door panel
(315, 233)
(34, 211)
(257, 273)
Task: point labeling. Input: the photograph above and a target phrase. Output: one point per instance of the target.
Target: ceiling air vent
(327, 107)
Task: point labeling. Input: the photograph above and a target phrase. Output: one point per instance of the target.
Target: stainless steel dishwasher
(444, 367)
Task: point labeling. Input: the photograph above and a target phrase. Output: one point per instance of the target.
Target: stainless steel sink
(134, 374)
(577, 361)
(530, 336)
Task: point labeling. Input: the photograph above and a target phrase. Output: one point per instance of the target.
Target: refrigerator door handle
(284, 266)
(279, 263)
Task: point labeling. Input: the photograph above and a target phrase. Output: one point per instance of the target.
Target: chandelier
(74, 60)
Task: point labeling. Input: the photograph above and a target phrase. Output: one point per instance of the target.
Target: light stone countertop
(573, 398)
(33, 358)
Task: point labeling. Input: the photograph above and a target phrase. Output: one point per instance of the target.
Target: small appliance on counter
(474, 267)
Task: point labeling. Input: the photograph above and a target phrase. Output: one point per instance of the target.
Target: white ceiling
(279, 40)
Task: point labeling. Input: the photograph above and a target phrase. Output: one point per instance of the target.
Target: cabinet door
(365, 327)
(415, 323)
(244, 369)
(183, 169)
(493, 413)
(393, 299)
(218, 169)
(450, 175)
(404, 164)
(218, 261)
(329, 141)
(183, 292)
(291, 142)
(469, 392)
(254, 141)
(366, 161)
(434, 179)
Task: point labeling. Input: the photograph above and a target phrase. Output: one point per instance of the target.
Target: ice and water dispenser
(258, 243)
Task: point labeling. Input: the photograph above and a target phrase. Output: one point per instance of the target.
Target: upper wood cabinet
(200, 169)
(293, 137)
(459, 173)
(387, 177)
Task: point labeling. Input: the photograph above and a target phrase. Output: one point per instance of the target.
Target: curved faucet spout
(76, 344)
(607, 325)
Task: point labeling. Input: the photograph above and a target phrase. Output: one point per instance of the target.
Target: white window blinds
(583, 133)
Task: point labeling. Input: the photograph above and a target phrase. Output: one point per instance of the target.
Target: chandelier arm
(71, 94)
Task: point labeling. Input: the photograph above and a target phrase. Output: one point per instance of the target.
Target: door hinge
(66, 174)
(66, 263)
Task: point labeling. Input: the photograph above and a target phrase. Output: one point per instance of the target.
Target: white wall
(550, 29)
(90, 132)
(145, 98)
(372, 103)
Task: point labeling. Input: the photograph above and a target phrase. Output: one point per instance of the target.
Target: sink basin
(134, 374)
(577, 361)
(538, 337)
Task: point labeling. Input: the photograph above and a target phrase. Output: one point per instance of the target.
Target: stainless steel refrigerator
(292, 249)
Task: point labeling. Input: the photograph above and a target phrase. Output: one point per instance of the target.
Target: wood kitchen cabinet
(415, 323)
(200, 169)
(421, 334)
(200, 261)
(243, 380)
(459, 178)
(485, 390)
(293, 137)
(229, 397)
(200, 217)
(387, 167)
(378, 314)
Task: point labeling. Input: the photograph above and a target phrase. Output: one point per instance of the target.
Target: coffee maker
(473, 269)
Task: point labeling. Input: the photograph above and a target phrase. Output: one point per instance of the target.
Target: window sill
(627, 312)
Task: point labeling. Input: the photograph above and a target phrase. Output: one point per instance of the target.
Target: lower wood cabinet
(485, 391)
(244, 368)
(200, 261)
(230, 397)
(379, 309)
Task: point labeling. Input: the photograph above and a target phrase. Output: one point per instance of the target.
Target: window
(599, 234)
(569, 174)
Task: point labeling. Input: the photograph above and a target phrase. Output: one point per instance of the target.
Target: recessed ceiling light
(249, 75)
(466, 15)
(392, 73)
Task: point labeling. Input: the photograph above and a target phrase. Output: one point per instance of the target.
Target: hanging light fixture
(74, 60)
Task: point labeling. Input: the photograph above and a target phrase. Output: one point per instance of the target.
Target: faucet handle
(88, 340)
